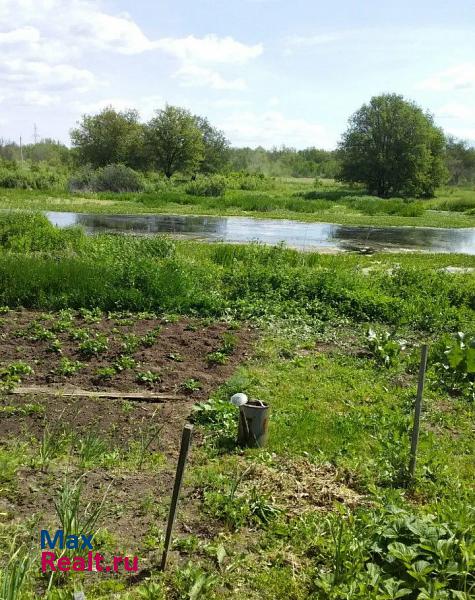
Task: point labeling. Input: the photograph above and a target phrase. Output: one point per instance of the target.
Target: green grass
(286, 199)
(326, 512)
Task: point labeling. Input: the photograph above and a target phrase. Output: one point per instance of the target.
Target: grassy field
(332, 343)
(298, 199)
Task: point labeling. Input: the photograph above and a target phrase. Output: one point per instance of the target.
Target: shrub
(39, 176)
(118, 178)
(214, 186)
(111, 178)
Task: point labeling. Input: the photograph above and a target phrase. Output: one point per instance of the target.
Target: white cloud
(459, 77)
(197, 76)
(272, 128)
(47, 43)
(20, 35)
(455, 110)
(146, 105)
(313, 40)
(209, 49)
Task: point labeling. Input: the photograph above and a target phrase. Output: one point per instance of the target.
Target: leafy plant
(94, 345)
(191, 385)
(124, 362)
(384, 347)
(455, 365)
(217, 358)
(147, 377)
(105, 373)
(68, 367)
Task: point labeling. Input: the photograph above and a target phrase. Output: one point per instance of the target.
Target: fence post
(417, 411)
(185, 445)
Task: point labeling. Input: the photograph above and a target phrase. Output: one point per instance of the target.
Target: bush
(112, 178)
(251, 182)
(37, 176)
(207, 186)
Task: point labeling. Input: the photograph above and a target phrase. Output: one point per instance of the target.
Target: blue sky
(267, 72)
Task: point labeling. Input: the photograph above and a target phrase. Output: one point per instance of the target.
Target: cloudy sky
(268, 72)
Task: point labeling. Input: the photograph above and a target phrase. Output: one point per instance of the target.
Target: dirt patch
(177, 352)
(174, 353)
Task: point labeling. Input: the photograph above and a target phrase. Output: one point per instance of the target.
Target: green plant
(213, 186)
(105, 373)
(217, 358)
(56, 346)
(12, 374)
(175, 356)
(124, 362)
(455, 364)
(149, 339)
(130, 343)
(91, 449)
(147, 377)
(68, 367)
(14, 578)
(191, 385)
(94, 345)
(384, 347)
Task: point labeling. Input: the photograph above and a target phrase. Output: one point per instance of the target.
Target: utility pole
(35, 133)
(21, 152)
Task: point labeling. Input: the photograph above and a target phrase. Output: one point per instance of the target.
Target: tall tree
(394, 148)
(216, 147)
(174, 141)
(109, 137)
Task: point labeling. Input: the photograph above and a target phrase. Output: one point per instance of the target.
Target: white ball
(239, 399)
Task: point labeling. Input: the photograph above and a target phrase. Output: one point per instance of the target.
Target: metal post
(418, 410)
(185, 444)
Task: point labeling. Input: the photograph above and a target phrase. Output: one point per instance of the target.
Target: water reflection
(295, 234)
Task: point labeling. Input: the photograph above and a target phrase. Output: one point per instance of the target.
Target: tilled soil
(178, 354)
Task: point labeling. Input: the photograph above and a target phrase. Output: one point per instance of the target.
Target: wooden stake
(417, 411)
(185, 445)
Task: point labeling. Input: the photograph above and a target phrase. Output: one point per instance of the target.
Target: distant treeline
(408, 155)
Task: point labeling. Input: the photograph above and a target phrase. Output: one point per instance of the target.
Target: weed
(175, 356)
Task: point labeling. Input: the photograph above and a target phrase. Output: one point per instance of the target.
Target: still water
(295, 234)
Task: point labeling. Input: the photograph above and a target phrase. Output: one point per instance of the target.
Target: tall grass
(126, 273)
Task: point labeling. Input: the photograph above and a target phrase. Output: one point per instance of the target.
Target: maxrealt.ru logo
(87, 561)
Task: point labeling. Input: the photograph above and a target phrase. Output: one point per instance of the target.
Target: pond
(295, 234)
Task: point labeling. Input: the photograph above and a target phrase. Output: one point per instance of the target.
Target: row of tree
(391, 145)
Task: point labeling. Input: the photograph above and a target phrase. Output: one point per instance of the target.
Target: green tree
(174, 141)
(216, 147)
(110, 137)
(394, 148)
(460, 161)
